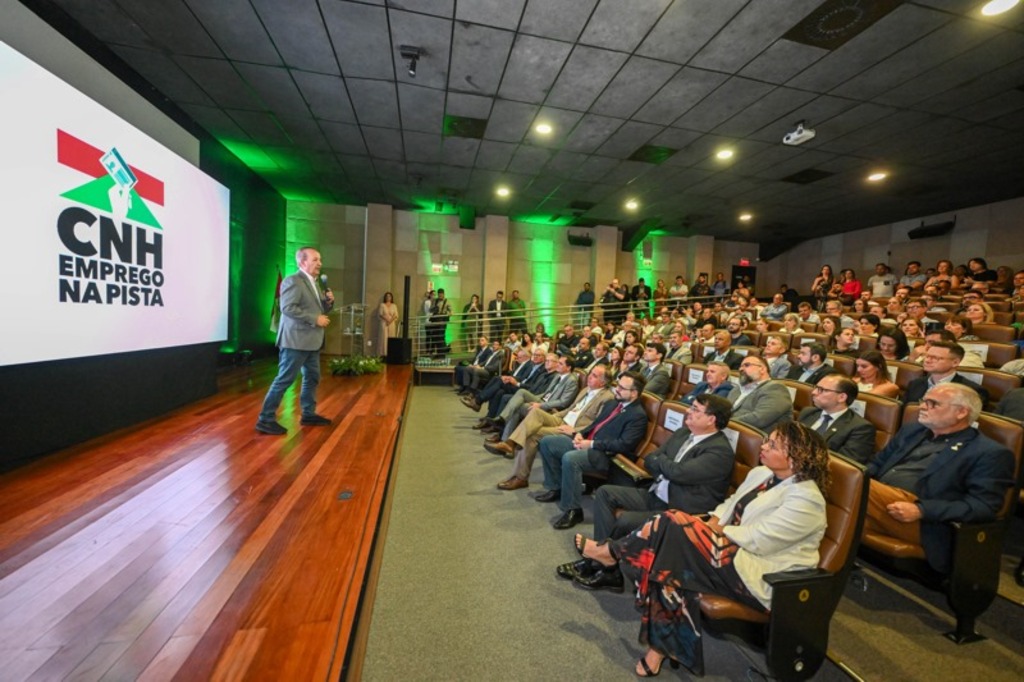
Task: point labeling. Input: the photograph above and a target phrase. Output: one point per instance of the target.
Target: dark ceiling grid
(931, 89)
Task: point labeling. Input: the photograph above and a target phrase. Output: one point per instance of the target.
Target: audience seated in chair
(811, 365)
(618, 428)
(936, 471)
(523, 441)
(775, 521)
(691, 472)
(656, 374)
(845, 431)
(941, 362)
(716, 381)
(759, 401)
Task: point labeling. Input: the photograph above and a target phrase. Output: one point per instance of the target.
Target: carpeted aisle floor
(467, 588)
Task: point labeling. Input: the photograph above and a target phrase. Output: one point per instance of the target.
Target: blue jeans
(290, 361)
(564, 467)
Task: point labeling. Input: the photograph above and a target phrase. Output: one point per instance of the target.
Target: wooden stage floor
(192, 547)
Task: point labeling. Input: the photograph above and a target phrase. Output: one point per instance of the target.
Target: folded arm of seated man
(939, 470)
(692, 471)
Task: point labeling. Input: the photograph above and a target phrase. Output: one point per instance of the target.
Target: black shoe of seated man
(583, 568)
(482, 424)
(271, 428)
(607, 578)
(314, 420)
(549, 496)
(568, 519)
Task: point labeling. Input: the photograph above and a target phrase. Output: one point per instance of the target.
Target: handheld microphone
(323, 283)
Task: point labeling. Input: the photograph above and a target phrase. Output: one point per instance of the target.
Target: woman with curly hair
(773, 522)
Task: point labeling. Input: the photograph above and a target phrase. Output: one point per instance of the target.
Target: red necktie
(618, 408)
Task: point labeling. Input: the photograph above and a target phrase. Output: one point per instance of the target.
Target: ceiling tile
(362, 44)
(510, 120)
(433, 36)
(220, 81)
(733, 96)
(750, 32)
(631, 135)
(638, 80)
(236, 29)
(422, 108)
(903, 25)
(782, 61)
(621, 24)
(344, 138)
(299, 33)
(325, 95)
(685, 90)
(532, 68)
(558, 19)
(586, 74)
(591, 132)
(163, 73)
(686, 27)
(478, 58)
(275, 88)
(375, 102)
(497, 13)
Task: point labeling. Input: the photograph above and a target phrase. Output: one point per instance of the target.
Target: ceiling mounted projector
(799, 136)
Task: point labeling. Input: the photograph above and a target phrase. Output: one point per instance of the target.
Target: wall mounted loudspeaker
(936, 230)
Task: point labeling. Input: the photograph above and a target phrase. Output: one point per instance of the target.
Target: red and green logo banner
(85, 158)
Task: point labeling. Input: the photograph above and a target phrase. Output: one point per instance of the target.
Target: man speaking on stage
(300, 336)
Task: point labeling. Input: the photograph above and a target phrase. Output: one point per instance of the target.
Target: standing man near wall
(517, 313)
(497, 310)
(300, 336)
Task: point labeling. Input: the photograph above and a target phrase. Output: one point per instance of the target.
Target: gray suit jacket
(301, 305)
(780, 367)
(564, 392)
(769, 404)
(850, 435)
(660, 381)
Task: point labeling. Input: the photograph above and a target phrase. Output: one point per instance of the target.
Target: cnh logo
(115, 250)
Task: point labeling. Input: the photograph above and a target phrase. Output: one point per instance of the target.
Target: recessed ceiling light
(632, 204)
(543, 128)
(503, 191)
(746, 217)
(877, 177)
(995, 7)
(724, 154)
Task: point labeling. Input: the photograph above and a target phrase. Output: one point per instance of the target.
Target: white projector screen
(113, 243)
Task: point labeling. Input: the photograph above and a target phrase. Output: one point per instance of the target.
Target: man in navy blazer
(845, 431)
(618, 428)
(300, 335)
(939, 470)
(941, 361)
(716, 381)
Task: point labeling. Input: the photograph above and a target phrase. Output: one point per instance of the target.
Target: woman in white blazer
(773, 522)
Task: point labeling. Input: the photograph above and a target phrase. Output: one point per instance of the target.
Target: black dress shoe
(314, 420)
(549, 496)
(271, 428)
(608, 578)
(568, 519)
(583, 568)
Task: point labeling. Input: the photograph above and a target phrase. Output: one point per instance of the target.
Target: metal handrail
(553, 318)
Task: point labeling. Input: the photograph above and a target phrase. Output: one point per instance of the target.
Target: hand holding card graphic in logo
(124, 180)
